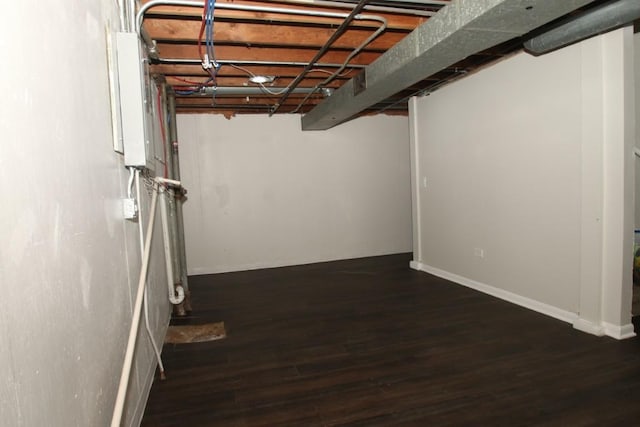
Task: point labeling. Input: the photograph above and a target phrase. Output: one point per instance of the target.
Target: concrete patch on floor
(184, 334)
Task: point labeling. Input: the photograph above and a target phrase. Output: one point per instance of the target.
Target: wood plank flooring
(369, 342)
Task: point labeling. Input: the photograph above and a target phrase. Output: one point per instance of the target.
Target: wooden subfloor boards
(369, 342)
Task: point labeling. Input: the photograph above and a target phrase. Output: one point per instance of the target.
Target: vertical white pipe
(167, 253)
(182, 255)
(132, 15)
(156, 349)
(135, 322)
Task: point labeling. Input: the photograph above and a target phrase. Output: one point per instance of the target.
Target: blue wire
(209, 28)
(185, 92)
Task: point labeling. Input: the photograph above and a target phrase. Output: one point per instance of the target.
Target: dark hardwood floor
(370, 342)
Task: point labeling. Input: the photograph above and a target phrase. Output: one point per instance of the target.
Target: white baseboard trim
(531, 304)
(619, 332)
(589, 327)
(604, 328)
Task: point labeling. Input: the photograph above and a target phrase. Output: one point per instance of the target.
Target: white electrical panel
(135, 105)
(114, 91)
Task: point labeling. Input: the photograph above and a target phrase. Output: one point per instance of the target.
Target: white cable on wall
(156, 349)
(135, 321)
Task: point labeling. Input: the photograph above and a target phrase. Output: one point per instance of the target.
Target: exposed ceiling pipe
(336, 73)
(423, 2)
(255, 90)
(372, 8)
(248, 8)
(174, 61)
(354, 15)
(339, 31)
(607, 17)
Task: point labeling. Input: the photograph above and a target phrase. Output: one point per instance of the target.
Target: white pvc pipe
(636, 151)
(145, 300)
(135, 322)
(168, 181)
(173, 298)
(132, 15)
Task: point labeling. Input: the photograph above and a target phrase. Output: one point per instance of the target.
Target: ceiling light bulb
(261, 79)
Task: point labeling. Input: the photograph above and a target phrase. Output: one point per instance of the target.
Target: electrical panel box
(133, 82)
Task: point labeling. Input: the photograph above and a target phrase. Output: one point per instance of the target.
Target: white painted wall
(68, 260)
(262, 193)
(519, 180)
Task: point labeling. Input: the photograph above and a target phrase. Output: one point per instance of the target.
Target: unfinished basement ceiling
(279, 40)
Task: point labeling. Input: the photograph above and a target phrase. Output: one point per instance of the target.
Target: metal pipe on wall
(176, 293)
(180, 241)
(170, 195)
(166, 144)
(131, 15)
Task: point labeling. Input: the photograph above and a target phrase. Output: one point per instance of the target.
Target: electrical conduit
(156, 349)
(135, 321)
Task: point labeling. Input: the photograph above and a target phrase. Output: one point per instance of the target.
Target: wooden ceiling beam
(280, 35)
(177, 51)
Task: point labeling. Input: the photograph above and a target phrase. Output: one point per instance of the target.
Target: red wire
(188, 81)
(201, 33)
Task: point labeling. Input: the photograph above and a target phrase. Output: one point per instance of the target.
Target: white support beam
(458, 30)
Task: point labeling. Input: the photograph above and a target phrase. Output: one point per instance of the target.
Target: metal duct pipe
(255, 90)
(178, 61)
(609, 16)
